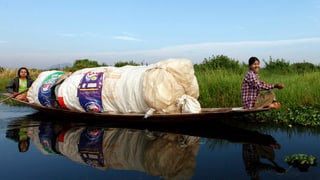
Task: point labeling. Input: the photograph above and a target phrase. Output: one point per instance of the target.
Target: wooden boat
(206, 114)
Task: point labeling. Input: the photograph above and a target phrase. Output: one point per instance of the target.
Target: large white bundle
(42, 85)
(122, 89)
(169, 83)
(67, 93)
(169, 86)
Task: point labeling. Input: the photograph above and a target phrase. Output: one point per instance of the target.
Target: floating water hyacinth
(301, 161)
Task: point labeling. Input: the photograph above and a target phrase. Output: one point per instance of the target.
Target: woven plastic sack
(42, 86)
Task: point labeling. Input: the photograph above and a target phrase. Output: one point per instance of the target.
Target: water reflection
(167, 151)
(20, 135)
(252, 155)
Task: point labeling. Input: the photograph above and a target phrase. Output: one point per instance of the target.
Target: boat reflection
(166, 151)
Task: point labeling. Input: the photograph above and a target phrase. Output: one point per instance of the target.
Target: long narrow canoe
(205, 114)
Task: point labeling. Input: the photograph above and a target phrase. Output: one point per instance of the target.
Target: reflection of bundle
(39, 137)
(67, 144)
(160, 154)
(90, 147)
(172, 156)
(46, 137)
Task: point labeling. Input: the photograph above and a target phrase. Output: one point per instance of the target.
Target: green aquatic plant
(301, 161)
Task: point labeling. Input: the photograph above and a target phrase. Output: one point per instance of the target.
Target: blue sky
(41, 33)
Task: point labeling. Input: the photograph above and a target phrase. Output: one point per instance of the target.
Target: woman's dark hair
(25, 148)
(252, 60)
(24, 69)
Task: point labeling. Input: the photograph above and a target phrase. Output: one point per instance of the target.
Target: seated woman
(19, 84)
(252, 89)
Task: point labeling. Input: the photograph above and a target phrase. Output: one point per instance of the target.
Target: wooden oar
(13, 96)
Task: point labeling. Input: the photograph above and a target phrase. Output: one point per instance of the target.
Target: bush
(220, 62)
(303, 67)
(277, 66)
(84, 63)
(121, 63)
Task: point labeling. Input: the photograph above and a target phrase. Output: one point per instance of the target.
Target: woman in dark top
(19, 84)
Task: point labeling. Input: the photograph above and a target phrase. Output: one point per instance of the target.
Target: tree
(1, 69)
(84, 63)
(303, 67)
(219, 62)
(121, 63)
(278, 66)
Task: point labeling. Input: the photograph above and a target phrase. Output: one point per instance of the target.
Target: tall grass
(222, 88)
(300, 89)
(219, 88)
(300, 100)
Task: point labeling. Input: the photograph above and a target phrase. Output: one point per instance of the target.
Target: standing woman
(19, 84)
(252, 88)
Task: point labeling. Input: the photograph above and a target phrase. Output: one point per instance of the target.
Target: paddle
(13, 95)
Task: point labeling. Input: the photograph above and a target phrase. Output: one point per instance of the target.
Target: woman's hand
(279, 86)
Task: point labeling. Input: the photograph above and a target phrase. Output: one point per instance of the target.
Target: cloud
(253, 43)
(293, 50)
(126, 38)
(68, 34)
(123, 37)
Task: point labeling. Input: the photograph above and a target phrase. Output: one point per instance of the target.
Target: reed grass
(219, 88)
(301, 89)
(222, 88)
(300, 99)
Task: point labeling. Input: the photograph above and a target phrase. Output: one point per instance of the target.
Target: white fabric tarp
(168, 86)
(38, 84)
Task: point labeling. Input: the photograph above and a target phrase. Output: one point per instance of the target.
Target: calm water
(67, 149)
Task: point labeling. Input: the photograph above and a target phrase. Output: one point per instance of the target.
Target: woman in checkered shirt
(252, 88)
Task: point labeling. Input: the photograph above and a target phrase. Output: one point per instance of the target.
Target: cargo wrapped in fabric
(168, 86)
(41, 91)
(91, 78)
(170, 82)
(104, 89)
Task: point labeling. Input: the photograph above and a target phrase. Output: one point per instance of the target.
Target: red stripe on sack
(61, 103)
(61, 136)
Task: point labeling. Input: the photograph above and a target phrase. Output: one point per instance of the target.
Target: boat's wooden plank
(205, 114)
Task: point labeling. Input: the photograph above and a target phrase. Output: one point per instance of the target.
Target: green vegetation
(219, 78)
(120, 64)
(82, 63)
(220, 85)
(301, 161)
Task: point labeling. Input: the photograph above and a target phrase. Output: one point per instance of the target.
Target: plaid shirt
(251, 87)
